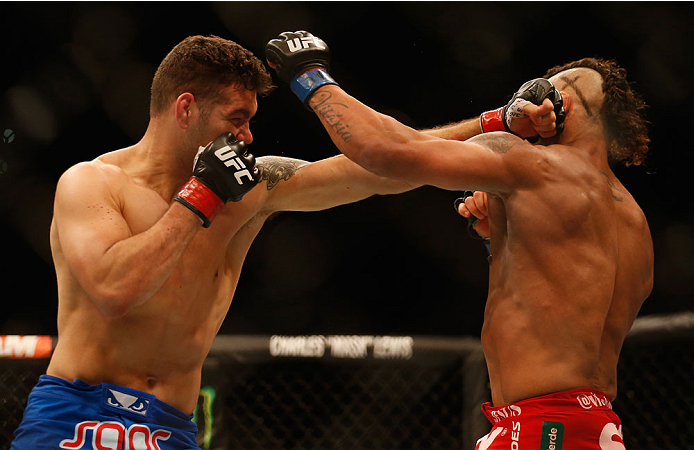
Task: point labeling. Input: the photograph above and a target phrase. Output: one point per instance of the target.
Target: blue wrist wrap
(304, 85)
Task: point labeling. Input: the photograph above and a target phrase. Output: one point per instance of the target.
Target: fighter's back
(572, 264)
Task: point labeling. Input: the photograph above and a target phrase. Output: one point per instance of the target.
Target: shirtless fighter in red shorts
(572, 252)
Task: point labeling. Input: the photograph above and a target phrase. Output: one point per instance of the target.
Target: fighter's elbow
(384, 158)
(371, 157)
(383, 149)
(114, 302)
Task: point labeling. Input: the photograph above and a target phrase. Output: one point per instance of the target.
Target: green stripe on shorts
(552, 435)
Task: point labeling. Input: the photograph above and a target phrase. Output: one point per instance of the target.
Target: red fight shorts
(579, 419)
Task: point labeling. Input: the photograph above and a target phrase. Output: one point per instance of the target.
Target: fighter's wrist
(201, 200)
(305, 84)
(493, 121)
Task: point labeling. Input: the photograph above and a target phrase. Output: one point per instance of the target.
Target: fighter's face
(584, 87)
(231, 113)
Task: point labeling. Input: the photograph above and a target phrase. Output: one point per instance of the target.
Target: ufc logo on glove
(230, 158)
(211, 185)
(297, 44)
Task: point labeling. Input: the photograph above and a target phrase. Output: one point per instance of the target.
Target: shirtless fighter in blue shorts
(147, 257)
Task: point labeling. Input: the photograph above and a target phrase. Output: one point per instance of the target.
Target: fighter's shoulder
(92, 175)
(500, 142)
(520, 155)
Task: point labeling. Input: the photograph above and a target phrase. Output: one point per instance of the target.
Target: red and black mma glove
(534, 91)
(223, 171)
(302, 60)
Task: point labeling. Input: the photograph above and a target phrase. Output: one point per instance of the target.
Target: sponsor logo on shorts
(114, 436)
(588, 401)
(611, 437)
(505, 412)
(515, 435)
(128, 402)
(552, 435)
(486, 441)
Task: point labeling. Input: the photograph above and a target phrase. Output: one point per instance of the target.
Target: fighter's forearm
(459, 131)
(373, 140)
(134, 269)
(224, 171)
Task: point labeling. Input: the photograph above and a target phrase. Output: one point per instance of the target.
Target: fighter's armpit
(276, 168)
(498, 142)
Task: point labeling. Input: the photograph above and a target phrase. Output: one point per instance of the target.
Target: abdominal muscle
(158, 347)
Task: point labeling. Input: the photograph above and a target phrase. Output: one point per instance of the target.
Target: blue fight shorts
(65, 415)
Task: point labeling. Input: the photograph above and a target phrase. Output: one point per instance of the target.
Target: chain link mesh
(301, 404)
(656, 395)
(17, 378)
(255, 401)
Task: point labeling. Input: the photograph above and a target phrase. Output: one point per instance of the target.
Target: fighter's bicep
(328, 183)
(452, 165)
(87, 217)
(492, 162)
(280, 177)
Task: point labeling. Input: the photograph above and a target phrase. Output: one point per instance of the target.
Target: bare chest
(211, 262)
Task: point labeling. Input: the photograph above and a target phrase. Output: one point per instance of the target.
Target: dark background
(75, 84)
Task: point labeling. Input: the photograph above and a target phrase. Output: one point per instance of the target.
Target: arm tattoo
(496, 142)
(322, 105)
(613, 188)
(276, 168)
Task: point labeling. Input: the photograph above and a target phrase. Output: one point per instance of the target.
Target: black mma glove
(223, 171)
(471, 221)
(302, 60)
(534, 91)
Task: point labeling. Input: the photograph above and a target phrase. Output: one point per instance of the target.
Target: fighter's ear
(567, 100)
(183, 109)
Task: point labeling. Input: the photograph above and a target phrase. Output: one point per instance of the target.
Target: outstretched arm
(459, 131)
(296, 185)
(388, 148)
(525, 120)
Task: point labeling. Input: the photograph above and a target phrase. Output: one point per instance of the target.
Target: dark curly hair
(203, 65)
(622, 113)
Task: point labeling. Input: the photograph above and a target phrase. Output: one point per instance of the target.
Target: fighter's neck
(591, 142)
(159, 163)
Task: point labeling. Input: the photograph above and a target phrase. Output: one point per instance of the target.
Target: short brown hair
(622, 113)
(203, 65)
